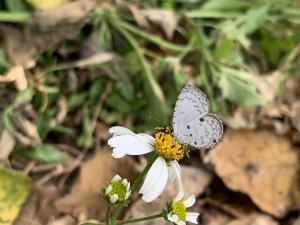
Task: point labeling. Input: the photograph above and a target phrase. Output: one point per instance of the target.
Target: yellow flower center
(119, 189)
(167, 146)
(179, 209)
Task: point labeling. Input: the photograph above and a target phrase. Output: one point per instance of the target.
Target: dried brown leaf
(296, 115)
(260, 164)
(69, 13)
(45, 30)
(244, 117)
(84, 198)
(213, 216)
(18, 51)
(7, 144)
(17, 75)
(165, 18)
(257, 219)
(65, 220)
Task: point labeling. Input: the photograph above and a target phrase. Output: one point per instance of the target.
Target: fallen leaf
(15, 188)
(194, 182)
(260, 164)
(233, 203)
(46, 29)
(244, 117)
(7, 144)
(30, 130)
(296, 222)
(266, 85)
(39, 208)
(257, 219)
(276, 115)
(17, 75)
(69, 13)
(296, 115)
(65, 220)
(18, 51)
(96, 59)
(84, 198)
(165, 18)
(213, 216)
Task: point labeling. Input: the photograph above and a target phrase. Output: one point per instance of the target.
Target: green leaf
(117, 103)
(16, 5)
(95, 91)
(15, 188)
(85, 139)
(240, 90)
(43, 123)
(76, 99)
(105, 36)
(45, 153)
(255, 17)
(224, 49)
(180, 79)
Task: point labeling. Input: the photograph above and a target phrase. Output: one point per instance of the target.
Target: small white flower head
(117, 190)
(177, 213)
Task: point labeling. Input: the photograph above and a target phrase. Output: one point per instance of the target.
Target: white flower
(165, 167)
(177, 211)
(118, 190)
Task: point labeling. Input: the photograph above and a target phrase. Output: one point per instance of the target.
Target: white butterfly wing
(192, 122)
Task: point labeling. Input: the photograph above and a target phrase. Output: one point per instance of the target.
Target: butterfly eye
(214, 141)
(201, 120)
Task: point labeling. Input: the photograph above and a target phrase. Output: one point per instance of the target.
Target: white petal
(124, 140)
(127, 195)
(118, 130)
(172, 173)
(118, 153)
(155, 181)
(114, 198)
(192, 217)
(125, 182)
(190, 201)
(116, 178)
(128, 186)
(180, 222)
(146, 138)
(151, 175)
(172, 170)
(129, 144)
(108, 189)
(176, 170)
(172, 217)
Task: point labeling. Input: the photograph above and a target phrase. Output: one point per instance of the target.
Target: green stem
(137, 182)
(145, 65)
(14, 17)
(150, 37)
(139, 219)
(107, 214)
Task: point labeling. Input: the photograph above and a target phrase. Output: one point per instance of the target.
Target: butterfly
(193, 124)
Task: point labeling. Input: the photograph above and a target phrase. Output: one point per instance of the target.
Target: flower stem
(136, 183)
(139, 219)
(107, 214)
(14, 17)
